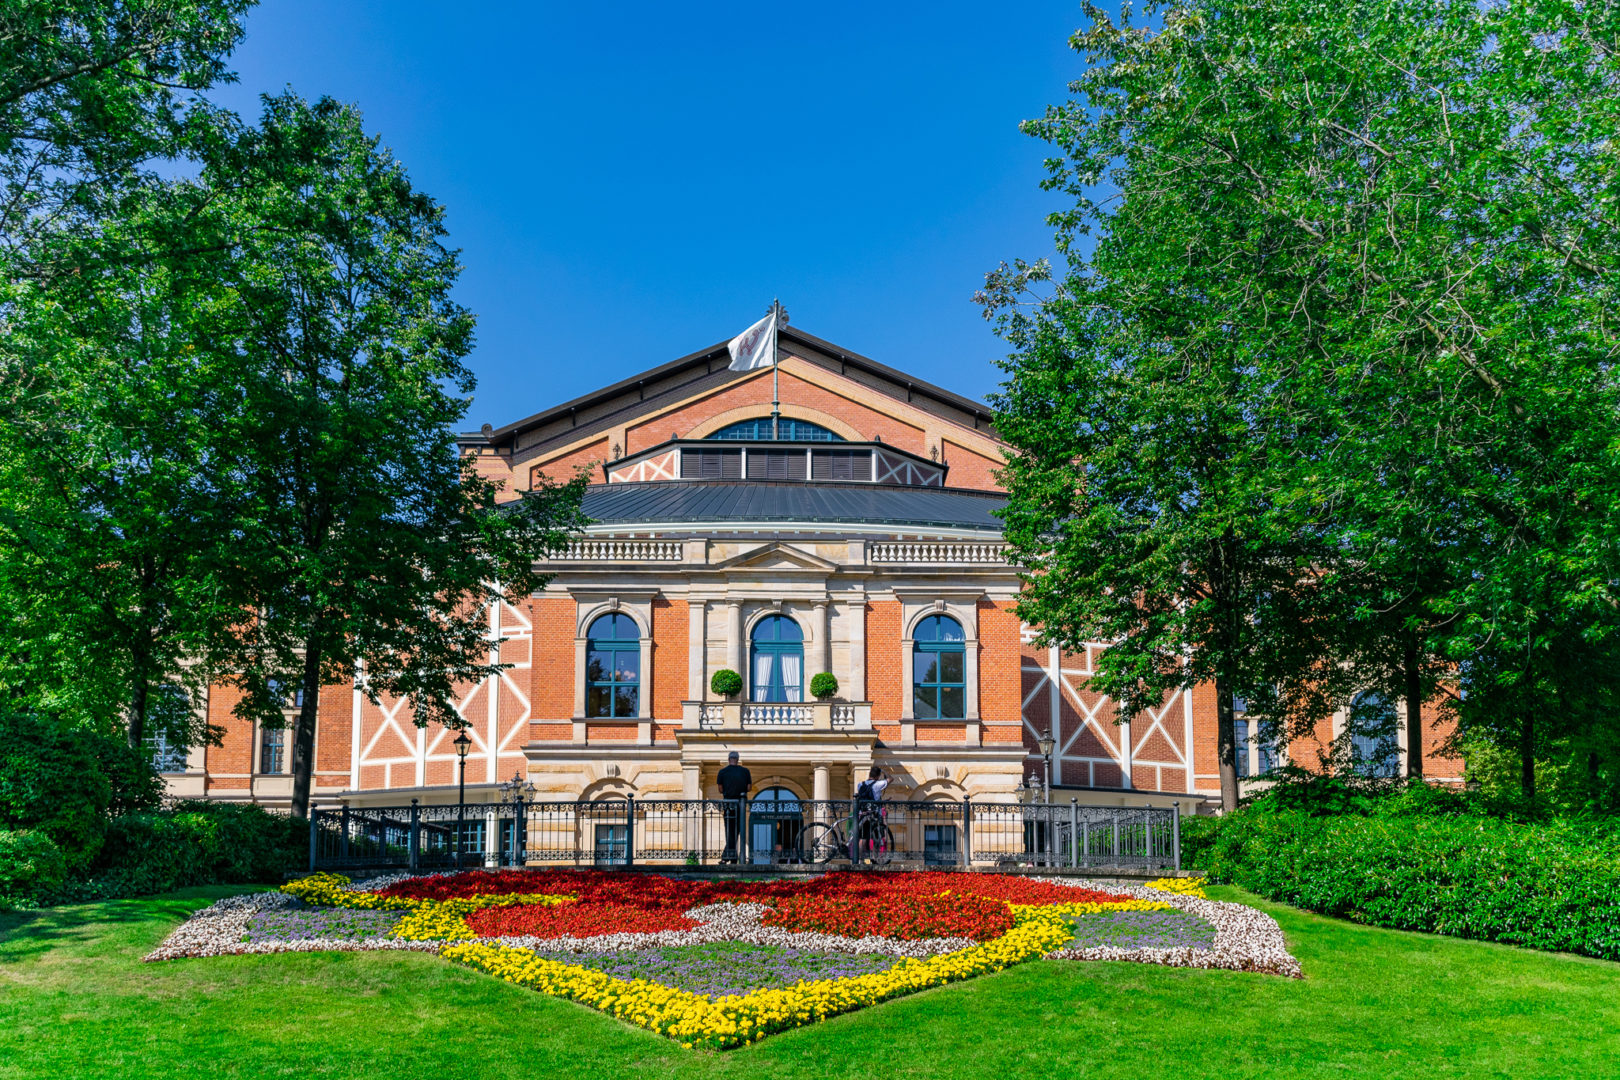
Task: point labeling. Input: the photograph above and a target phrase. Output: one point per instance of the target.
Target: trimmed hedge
(197, 843)
(31, 865)
(1553, 887)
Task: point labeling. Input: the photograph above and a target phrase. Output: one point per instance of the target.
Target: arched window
(939, 670)
(777, 660)
(759, 430)
(1373, 751)
(613, 667)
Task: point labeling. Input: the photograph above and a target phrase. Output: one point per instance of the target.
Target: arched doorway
(775, 819)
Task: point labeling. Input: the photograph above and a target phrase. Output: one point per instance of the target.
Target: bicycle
(822, 842)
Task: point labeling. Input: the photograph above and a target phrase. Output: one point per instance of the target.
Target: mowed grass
(75, 1001)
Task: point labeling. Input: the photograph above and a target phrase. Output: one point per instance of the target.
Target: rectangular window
(939, 844)
(272, 750)
(711, 464)
(841, 465)
(611, 845)
(168, 755)
(288, 694)
(1267, 753)
(776, 464)
(1240, 729)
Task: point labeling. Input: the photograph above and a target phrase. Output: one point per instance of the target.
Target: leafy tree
(91, 92)
(1394, 225)
(108, 410)
(371, 550)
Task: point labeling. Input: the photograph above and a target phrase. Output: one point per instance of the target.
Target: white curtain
(762, 676)
(791, 665)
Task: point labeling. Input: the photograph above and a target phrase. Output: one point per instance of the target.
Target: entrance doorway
(775, 819)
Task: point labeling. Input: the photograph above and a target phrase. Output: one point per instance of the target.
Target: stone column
(821, 791)
(734, 641)
(697, 653)
(822, 660)
(857, 648)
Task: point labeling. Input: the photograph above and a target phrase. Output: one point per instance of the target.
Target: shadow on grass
(29, 933)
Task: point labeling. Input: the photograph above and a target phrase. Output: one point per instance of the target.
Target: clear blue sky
(629, 183)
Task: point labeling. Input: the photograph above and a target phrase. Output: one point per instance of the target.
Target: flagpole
(776, 390)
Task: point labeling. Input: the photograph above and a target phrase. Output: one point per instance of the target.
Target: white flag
(755, 347)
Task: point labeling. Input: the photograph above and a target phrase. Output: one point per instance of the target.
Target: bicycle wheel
(881, 848)
(821, 843)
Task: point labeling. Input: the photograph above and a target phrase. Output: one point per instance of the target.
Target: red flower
(905, 917)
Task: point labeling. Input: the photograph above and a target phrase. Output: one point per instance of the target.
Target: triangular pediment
(777, 556)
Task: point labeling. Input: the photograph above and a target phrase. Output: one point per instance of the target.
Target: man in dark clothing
(734, 783)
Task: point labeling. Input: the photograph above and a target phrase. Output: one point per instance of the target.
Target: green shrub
(726, 682)
(255, 844)
(824, 685)
(52, 781)
(1554, 886)
(150, 852)
(31, 866)
(197, 843)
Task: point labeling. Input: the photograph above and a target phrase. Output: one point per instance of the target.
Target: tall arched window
(777, 661)
(613, 667)
(1373, 750)
(939, 670)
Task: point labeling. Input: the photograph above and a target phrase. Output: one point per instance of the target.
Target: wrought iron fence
(787, 833)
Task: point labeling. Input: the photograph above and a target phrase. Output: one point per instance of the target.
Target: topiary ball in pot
(823, 686)
(726, 683)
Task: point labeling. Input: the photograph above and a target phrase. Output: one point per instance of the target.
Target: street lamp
(1026, 790)
(1047, 745)
(518, 792)
(462, 744)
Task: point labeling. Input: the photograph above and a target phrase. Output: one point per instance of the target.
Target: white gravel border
(217, 930)
(1245, 939)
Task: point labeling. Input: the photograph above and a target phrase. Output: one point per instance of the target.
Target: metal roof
(755, 502)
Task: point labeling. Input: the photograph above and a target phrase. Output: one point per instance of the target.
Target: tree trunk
(139, 696)
(1226, 743)
(1414, 709)
(1527, 759)
(303, 762)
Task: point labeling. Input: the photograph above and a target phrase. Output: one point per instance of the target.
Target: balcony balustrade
(777, 716)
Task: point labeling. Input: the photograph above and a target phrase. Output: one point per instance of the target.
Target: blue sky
(630, 183)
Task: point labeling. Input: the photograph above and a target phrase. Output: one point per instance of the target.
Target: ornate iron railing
(802, 834)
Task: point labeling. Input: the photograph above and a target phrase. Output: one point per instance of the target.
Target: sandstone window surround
(589, 605)
(915, 606)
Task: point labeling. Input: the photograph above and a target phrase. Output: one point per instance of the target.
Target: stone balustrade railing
(777, 716)
(961, 554)
(621, 551)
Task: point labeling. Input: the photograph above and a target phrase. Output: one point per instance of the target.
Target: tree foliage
(370, 548)
(1338, 296)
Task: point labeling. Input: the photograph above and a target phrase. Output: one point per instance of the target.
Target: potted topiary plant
(823, 686)
(726, 683)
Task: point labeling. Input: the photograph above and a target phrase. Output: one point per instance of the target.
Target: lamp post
(1047, 745)
(519, 792)
(462, 744)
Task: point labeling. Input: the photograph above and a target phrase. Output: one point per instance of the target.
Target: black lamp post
(463, 744)
(1047, 745)
(518, 792)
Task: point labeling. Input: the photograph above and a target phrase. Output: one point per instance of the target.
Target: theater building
(852, 533)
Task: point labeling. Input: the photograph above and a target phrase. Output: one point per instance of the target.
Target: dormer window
(759, 430)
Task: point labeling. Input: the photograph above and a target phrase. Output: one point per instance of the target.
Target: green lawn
(75, 1001)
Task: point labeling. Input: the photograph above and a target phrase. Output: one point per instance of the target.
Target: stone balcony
(851, 716)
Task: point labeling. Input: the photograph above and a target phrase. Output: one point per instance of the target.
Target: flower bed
(720, 963)
(907, 917)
